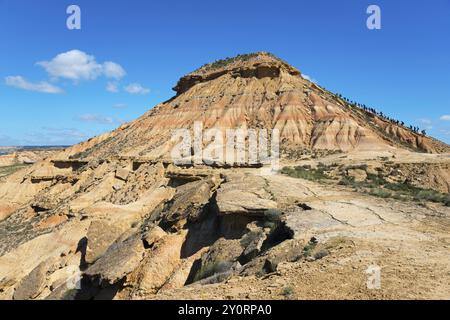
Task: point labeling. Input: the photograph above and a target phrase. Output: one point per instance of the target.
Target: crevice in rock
(37, 209)
(202, 233)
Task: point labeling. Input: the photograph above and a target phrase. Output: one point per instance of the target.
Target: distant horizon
(36, 146)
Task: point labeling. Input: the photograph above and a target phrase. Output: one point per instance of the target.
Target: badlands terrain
(15, 158)
(115, 218)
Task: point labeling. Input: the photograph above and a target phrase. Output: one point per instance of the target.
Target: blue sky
(54, 82)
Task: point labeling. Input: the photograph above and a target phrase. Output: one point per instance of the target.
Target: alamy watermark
(227, 147)
(374, 20)
(73, 22)
(74, 277)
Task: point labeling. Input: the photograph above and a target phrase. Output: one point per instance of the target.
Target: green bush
(358, 166)
(309, 249)
(381, 193)
(288, 291)
(347, 181)
(8, 170)
(304, 173)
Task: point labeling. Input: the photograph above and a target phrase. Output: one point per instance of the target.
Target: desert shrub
(249, 238)
(309, 249)
(373, 179)
(307, 174)
(403, 187)
(379, 192)
(287, 291)
(405, 191)
(429, 195)
(241, 57)
(398, 196)
(347, 181)
(357, 167)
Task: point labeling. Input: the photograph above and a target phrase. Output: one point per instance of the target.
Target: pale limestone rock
(244, 195)
(100, 236)
(180, 276)
(32, 285)
(122, 174)
(188, 202)
(154, 235)
(359, 175)
(118, 261)
(159, 264)
(40, 249)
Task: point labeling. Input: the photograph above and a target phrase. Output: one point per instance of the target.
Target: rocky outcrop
(189, 202)
(120, 259)
(262, 65)
(32, 285)
(257, 91)
(245, 195)
(101, 235)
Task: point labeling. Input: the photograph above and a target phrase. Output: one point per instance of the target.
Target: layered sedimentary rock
(257, 91)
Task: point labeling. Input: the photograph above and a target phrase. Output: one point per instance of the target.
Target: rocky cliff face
(113, 217)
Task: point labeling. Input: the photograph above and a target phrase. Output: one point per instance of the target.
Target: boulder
(254, 241)
(220, 258)
(180, 276)
(188, 202)
(302, 224)
(33, 284)
(159, 264)
(101, 235)
(288, 251)
(152, 236)
(120, 259)
(122, 174)
(244, 194)
(358, 174)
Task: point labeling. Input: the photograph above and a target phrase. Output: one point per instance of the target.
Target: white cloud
(136, 88)
(120, 106)
(306, 77)
(112, 87)
(20, 83)
(76, 65)
(113, 70)
(445, 117)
